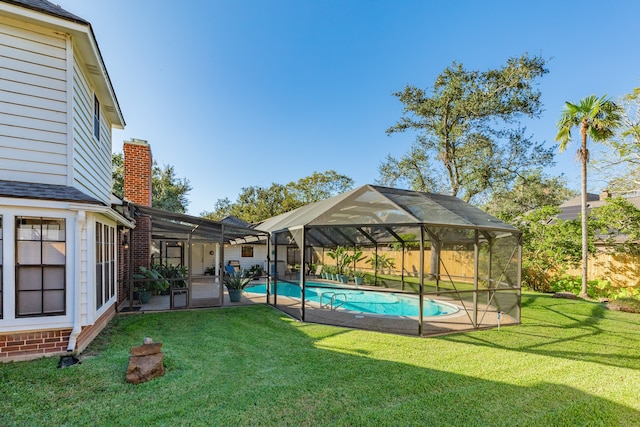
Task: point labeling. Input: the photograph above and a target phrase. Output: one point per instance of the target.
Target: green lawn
(570, 363)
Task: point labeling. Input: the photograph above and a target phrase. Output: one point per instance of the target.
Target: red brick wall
(141, 244)
(31, 345)
(137, 172)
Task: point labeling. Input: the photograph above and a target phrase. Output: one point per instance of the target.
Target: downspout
(77, 252)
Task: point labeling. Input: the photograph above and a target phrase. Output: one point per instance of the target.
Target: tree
(624, 159)
(255, 204)
(549, 245)
(168, 191)
(597, 118)
(618, 218)
(469, 138)
(530, 191)
(319, 186)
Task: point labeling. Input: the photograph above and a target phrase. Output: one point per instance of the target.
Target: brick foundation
(18, 346)
(32, 345)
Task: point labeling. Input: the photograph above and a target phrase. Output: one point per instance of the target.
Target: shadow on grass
(567, 329)
(255, 366)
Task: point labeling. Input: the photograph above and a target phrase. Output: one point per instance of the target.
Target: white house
(59, 236)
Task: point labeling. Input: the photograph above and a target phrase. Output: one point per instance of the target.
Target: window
(247, 251)
(105, 263)
(293, 256)
(1, 299)
(40, 266)
(96, 117)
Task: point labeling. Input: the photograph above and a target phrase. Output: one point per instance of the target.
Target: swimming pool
(371, 302)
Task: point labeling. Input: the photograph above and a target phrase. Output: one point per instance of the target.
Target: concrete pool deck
(487, 316)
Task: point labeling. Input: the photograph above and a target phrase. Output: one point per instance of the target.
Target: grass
(571, 362)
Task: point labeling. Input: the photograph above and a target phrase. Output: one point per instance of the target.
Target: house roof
(375, 214)
(49, 8)
(29, 190)
(49, 15)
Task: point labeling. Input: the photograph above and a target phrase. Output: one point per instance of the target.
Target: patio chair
(291, 274)
(315, 273)
(230, 270)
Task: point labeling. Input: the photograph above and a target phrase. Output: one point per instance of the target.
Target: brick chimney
(138, 164)
(605, 195)
(137, 172)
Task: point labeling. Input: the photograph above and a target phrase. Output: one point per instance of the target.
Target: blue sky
(241, 93)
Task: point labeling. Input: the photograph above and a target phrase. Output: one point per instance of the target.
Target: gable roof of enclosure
(382, 214)
(167, 225)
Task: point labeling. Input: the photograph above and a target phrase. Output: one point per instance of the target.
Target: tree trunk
(585, 232)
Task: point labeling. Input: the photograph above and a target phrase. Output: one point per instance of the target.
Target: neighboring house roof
(30, 190)
(232, 220)
(571, 209)
(577, 201)
(59, 19)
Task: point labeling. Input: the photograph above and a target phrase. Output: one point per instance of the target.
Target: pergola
(443, 249)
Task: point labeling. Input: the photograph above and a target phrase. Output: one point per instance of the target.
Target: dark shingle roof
(49, 8)
(30, 190)
(232, 220)
(577, 201)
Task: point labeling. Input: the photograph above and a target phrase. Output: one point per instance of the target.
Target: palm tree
(597, 118)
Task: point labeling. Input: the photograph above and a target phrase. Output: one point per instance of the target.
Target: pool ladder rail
(333, 302)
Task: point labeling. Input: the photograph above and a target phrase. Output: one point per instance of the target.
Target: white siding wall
(33, 105)
(91, 157)
(234, 252)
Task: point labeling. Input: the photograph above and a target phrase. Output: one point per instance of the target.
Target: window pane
(28, 253)
(99, 300)
(53, 229)
(29, 303)
(112, 245)
(112, 278)
(53, 253)
(53, 277)
(27, 228)
(29, 278)
(1, 299)
(53, 302)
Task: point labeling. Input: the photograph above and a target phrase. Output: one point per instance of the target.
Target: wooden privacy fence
(457, 263)
(621, 270)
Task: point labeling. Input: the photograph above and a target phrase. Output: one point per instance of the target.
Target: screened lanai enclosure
(395, 261)
(187, 251)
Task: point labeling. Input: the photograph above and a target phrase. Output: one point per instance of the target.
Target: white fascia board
(86, 44)
(104, 210)
(70, 206)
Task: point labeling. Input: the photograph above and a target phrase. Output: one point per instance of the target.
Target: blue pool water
(385, 303)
